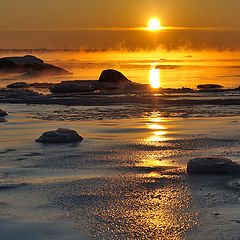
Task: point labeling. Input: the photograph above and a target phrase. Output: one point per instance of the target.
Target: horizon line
(162, 28)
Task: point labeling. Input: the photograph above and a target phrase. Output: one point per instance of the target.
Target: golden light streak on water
(159, 130)
(154, 76)
(154, 212)
(160, 137)
(156, 126)
(156, 119)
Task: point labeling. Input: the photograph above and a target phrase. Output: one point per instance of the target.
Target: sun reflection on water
(163, 209)
(158, 137)
(149, 209)
(156, 126)
(154, 76)
(159, 131)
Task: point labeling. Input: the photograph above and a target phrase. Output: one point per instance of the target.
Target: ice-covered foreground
(126, 180)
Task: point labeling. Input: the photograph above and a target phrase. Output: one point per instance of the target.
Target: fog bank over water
(168, 39)
(167, 69)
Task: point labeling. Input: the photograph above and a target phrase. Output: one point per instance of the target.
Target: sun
(154, 24)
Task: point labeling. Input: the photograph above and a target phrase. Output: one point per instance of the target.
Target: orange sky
(23, 24)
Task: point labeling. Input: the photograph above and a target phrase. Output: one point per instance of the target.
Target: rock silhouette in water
(213, 165)
(113, 76)
(61, 135)
(109, 80)
(28, 65)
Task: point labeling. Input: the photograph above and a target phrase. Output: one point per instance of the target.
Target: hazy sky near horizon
(28, 23)
(117, 13)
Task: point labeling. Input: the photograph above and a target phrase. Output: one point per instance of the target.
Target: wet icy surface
(126, 111)
(126, 180)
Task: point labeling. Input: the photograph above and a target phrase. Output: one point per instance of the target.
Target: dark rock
(113, 76)
(61, 135)
(82, 86)
(3, 113)
(136, 87)
(19, 85)
(28, 65)
(209, 86)
(13, 95)
(41, 85)
(111, 86)
(213, 165)
(24, 94)
(28, 59)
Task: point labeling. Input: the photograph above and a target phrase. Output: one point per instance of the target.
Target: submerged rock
(213, 165)
(3, 113)
(28, 65)
(61, 135)
(113, 76)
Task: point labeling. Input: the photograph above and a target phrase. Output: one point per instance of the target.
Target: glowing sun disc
(154, 24)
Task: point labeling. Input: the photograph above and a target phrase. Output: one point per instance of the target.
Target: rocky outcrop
(28, 65)
(109, 80)
(74, 86)
(82, 86)
(29, 85)
(113, 76)
(19, 85)
(3, 113)
(213, 165)
(28, 59)
(61, 135)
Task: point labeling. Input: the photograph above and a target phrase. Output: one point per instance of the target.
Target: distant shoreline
(47, 50)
